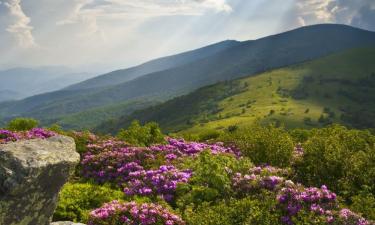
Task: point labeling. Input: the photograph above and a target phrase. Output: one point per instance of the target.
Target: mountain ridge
(249, 57)
(281, 95)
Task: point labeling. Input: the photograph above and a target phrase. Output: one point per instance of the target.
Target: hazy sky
(114, 34)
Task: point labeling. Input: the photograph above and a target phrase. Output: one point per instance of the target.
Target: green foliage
(233, 212)
(262, 145)
(341, 158)
(139, 135)
(76, 200)
(299, 135)
(365, 204)
(81, 139)
(211, 178)
(22, 124)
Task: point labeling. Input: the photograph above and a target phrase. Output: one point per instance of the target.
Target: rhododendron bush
(35, 133)
(132, 213)
(174, 182)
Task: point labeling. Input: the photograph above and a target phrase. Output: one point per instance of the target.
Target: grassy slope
(288, 92)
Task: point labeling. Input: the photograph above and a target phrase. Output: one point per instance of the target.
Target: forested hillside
(339, 88)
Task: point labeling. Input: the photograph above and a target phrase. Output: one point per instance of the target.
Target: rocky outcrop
(32, 173)
(66, 223)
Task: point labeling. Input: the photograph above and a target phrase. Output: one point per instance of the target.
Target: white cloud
(349, 12)
(19, 24)
(140, 9)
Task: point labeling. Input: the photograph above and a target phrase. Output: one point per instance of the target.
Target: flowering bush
(295, 200)
(132, 213)
(35, 133)
(180, 147)
(156, 182)
(112, 161)
(194, 176)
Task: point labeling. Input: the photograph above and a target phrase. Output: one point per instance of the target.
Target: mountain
(24, 82)
(338, 88)
(228, 63)
(6, 95)
(120, 76)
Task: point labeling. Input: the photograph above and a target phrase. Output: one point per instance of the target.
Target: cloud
(130, 9)
(365, 18)
(18, 24)
(358, 13)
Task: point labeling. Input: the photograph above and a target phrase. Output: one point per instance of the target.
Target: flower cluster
(105, 145)
(114, 164)
(248, 183)
(348, 217)
(298, 152)
(266, 177)
(8, 136)
(35, 133)
(179, 147)
(132, 213)
(293, 198)
(111, 160)
(156, 182)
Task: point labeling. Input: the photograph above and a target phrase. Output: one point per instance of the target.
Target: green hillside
(337, 88)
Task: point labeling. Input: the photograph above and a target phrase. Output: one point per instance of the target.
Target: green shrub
(263, 145)
(76, 200)
(139, 135)
(299, 135)
(208, 135)
(211, 179)
(341, 158)
(364, 203)
(22, 124)
(233, 212)
(81, 139)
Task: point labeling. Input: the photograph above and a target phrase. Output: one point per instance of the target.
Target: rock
(66, 223)
(32, 173)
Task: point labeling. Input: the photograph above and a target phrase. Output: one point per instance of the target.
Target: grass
(321, 80)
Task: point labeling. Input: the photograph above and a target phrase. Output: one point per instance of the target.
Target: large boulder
(32, 173)
(66, 223)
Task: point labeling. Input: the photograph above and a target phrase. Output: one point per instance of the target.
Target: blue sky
(110, 34)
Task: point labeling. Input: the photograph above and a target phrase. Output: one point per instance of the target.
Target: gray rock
(66, 223)
(32, 173)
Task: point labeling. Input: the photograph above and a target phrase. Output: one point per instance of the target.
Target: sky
(113, 34)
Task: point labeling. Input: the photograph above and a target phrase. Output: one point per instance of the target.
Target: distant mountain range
(122, 92)
(338, 88)
(17, 83)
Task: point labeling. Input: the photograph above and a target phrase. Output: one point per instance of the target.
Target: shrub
(263, 144)
(341, 158)
(364, 203)
(116, 212)
(299, 135)
(22, 124)
(211, 178)
(234, 212)
(139, 135)
(76, 200)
